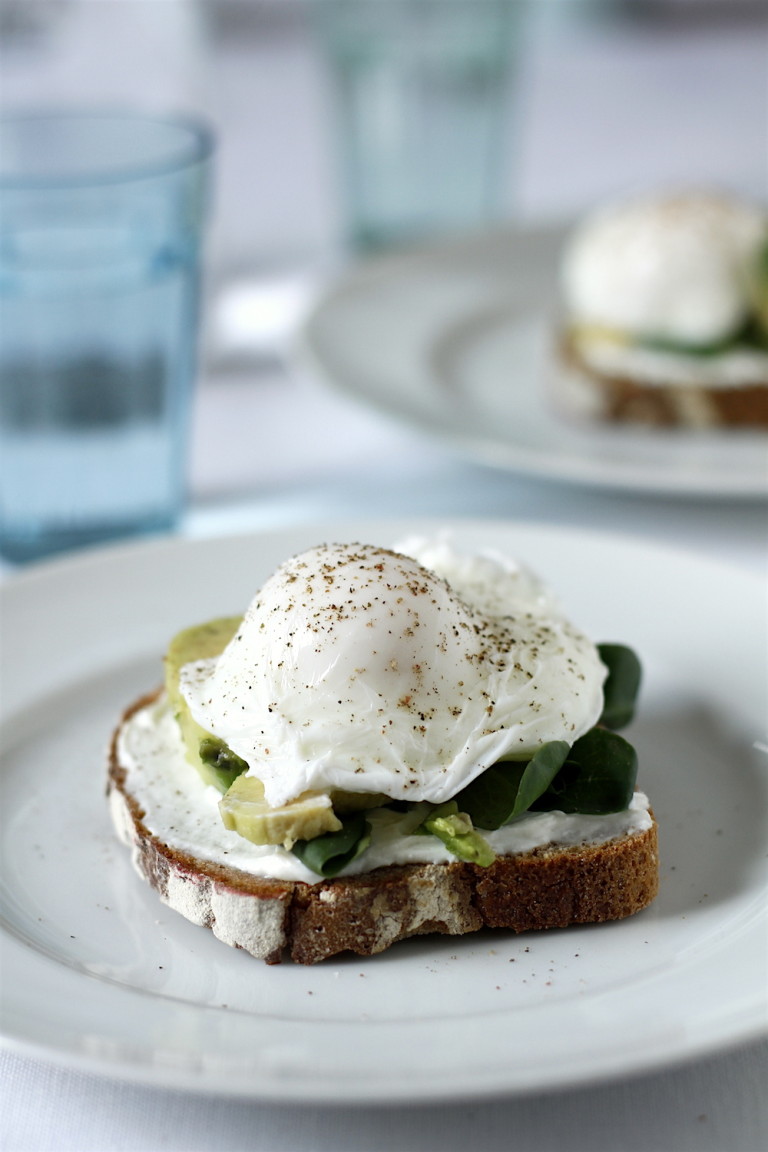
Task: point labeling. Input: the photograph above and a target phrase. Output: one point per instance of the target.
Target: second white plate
(456, 341)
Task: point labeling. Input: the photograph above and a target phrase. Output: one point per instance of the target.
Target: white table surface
(294, 453)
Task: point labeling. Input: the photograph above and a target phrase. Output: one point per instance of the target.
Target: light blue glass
(422, 90)
(101, 223)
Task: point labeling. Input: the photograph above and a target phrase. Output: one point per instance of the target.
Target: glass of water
(101, 223)
(422, 89)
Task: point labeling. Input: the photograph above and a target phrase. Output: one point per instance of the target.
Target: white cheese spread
(182, 811)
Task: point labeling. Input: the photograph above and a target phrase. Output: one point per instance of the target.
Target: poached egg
(406, 673)
(680, 267)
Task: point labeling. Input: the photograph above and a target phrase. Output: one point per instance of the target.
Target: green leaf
(718, 347)
(508, 788)
(682, 348)
(490, 798)
(455, 830)
(762, 261)
(621, 686)
(760, 302)
(539, 773)
(598, 777)
(750, 334)
(328, 854)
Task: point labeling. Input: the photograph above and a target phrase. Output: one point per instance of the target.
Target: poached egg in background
(404, 672)
(680, 267)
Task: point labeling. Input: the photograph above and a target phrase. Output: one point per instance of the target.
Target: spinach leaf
(750, 334)
(621, 686)
(539, 773)
(328, 854)
(598, 776)
(490, 797)
(508, 788)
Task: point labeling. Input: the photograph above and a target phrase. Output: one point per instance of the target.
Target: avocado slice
(244, 810)
(457, 832)
(218, 766)
(344, 801)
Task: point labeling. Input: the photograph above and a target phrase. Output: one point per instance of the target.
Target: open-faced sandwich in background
(388, 743)
(665, 314)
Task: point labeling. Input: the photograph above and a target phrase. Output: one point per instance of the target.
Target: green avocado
(244, 810)
(457, 832)
(217, 766)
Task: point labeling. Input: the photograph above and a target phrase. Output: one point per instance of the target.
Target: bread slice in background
(582, 391)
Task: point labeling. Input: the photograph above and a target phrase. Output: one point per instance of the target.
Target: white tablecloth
(716, 1105)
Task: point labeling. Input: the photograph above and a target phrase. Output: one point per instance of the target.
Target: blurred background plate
(456, 340)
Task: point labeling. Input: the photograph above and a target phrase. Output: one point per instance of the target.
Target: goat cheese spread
(182, 811)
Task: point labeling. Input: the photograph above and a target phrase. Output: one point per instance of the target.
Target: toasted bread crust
(622, 400)
(365, 914)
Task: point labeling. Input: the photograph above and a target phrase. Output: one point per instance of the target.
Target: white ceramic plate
(456, 340)
(97, 973)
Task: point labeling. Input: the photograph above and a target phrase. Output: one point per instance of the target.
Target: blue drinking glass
(101, 223)
(422, 92)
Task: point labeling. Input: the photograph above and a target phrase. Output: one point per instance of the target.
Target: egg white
(365, 669)
(680, 267)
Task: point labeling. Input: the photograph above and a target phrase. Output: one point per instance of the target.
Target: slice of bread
(550, 887)
(582, 390)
